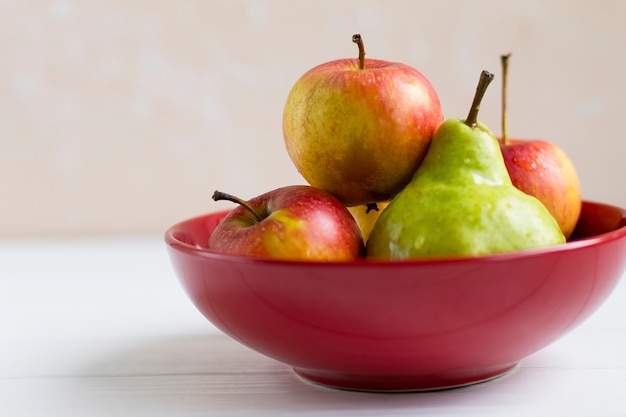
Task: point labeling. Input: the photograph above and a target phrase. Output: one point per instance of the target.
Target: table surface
(101, 327)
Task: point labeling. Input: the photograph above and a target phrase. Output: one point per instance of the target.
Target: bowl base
(404, 383)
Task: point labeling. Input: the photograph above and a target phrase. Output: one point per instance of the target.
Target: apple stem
(504, 59)
(485, 78)
(356, 38)
(218, 195)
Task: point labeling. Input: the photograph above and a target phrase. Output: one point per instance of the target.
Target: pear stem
(218, 195)
(504, 59)
(485, 78)
(356, 38)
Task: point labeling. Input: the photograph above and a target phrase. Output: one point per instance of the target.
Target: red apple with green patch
(543, 170)
(359, 128)
(297, 222)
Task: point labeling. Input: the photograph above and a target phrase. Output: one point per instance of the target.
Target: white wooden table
(101, 327)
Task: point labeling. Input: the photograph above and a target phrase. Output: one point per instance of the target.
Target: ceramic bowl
(403, 325)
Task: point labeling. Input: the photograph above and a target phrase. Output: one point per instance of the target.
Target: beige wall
(123, 116)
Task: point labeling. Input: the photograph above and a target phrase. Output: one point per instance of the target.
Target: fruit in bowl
(358, 128)
(409, 324)
(296, 222)
(541, 169)
(492, 280)
(461, 201)
(366, 216)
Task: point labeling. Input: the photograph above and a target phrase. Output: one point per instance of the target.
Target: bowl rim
(569, 246)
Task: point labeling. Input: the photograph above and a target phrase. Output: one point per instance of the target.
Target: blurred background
(122, 117)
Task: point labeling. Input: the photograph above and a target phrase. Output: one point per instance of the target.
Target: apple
(359, 128)
(297, 222)
(542, 169)
(366, 216)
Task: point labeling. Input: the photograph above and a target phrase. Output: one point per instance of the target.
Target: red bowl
(403, 325)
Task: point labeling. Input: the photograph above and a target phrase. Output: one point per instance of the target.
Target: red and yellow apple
(543, 170)
(359, 128)
(297, 222)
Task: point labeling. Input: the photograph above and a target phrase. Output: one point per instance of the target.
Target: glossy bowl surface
(403, 325)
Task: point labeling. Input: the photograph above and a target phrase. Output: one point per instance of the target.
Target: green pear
(461, 201)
